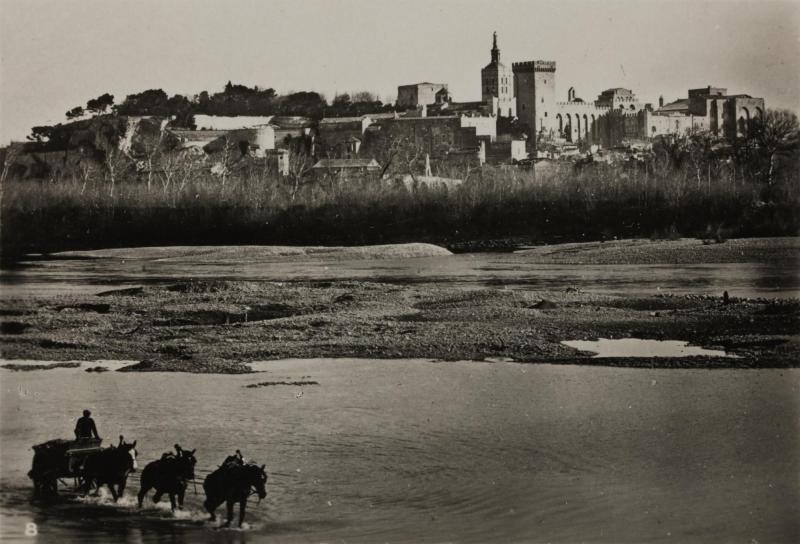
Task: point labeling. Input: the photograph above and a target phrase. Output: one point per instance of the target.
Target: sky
(57, 54)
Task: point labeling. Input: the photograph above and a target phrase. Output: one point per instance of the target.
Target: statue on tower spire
(495, 50)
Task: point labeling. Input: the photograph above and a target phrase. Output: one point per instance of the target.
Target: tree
(150, 102)
(75, 112)
(100, 104)
(181, 109)
(776, 135)
(363, 96)
(10, 157)
(41, 134)
(341, 100)
(307, 104)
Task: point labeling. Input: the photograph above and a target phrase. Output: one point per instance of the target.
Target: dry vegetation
(253, 206)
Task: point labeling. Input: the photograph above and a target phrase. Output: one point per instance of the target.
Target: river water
(506, 270)
(419, 451)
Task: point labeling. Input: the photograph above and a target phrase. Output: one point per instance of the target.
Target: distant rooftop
(680, 105)
(423, 83)
(617, 90)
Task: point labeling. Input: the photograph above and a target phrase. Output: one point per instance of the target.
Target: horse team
(232, 482)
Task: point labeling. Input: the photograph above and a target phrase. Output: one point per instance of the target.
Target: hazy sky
(56, 54)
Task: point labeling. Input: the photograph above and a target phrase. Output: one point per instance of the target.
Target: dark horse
(232, 483)
(170, 474)
(51, 461)
(110, 467)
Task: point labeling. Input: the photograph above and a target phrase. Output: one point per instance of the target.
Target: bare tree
(12, 152)
(152, 148)
(299, 166)
(114, 161)
(176, 169)
(85, 169)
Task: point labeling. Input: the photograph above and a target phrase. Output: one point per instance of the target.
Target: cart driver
(85, 427)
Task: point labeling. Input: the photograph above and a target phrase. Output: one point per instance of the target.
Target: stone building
(342, 136)
(573, 120)
(196, 140)
(422, 94)
(485, 126)
(255, 140)
(497, 85)
(288, 127)
(441, 138)
(534, 88)
(616, 116)
(707, 108)
(436, 136)
(619, 99)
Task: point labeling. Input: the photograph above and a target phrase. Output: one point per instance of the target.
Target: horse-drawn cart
(56, 460)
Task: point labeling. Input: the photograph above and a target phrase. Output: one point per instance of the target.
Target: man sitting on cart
(85, 430)
(85, 427)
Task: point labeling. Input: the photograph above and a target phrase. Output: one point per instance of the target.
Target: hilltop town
(518, 163)
(518, 119)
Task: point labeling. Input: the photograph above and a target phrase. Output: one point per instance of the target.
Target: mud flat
(254, 253)
(682, 251)
(209, 326)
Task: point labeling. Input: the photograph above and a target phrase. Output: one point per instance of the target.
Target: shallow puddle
(637, 347)
(88, 366)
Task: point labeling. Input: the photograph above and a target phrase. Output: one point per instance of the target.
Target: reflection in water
(636, 347)
(411, 451)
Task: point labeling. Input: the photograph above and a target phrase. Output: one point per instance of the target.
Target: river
(419, 451)
(504, 270)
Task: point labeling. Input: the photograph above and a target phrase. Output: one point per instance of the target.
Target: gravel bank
(216, 326)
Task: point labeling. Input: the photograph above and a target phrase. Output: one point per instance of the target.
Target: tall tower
(535, 89)
(497, 85)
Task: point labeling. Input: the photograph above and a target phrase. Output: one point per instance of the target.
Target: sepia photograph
(373, 271)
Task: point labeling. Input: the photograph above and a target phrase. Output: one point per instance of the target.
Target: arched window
(744, 121)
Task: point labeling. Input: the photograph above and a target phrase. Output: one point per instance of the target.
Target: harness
(253, 491)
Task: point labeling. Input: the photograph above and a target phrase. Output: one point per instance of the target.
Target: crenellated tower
(534, 86)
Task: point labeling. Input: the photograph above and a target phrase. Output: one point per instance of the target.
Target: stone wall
(577, 121)
(418, 94)
(436, 136)
(740, 114)
(484, 125)
(618, 125)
